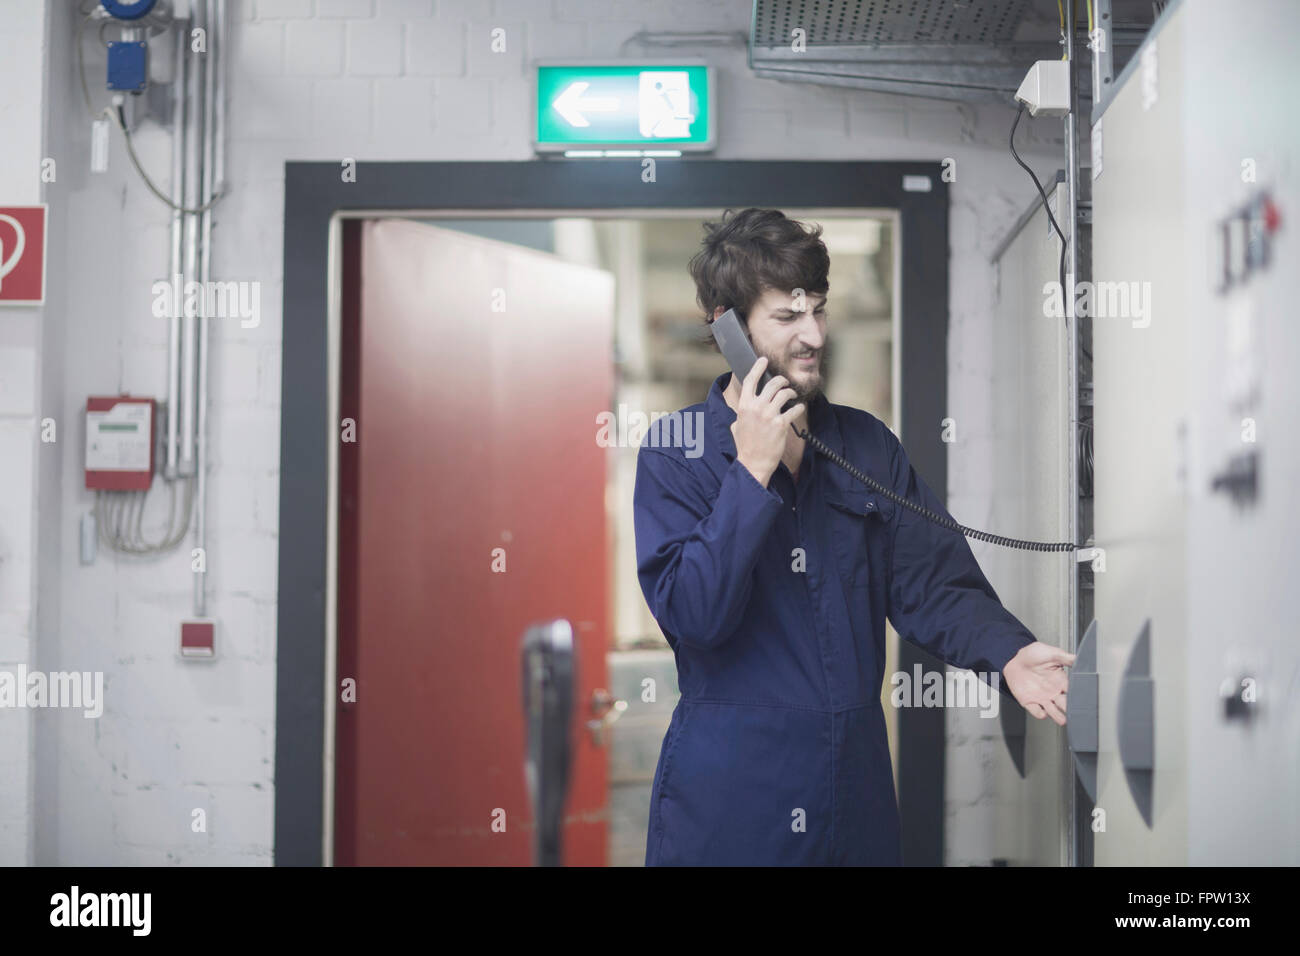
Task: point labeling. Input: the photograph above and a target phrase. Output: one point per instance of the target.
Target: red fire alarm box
(120, 443)
(198, 638)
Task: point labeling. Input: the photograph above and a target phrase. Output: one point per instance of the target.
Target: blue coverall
(776, 753)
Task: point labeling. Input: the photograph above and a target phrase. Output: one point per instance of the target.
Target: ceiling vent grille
(974, 50)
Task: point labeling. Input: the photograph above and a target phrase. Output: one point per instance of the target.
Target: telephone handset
(739, 353)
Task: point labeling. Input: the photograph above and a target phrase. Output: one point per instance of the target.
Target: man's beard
(805, 392)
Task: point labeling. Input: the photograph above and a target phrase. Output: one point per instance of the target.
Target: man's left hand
(1036, 677)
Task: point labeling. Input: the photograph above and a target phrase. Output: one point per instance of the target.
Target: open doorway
(911, 196)
(447, 324)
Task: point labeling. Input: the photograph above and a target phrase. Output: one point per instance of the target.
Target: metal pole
(213, 30)
(177, 243)
(1071, 213)
(1103, 69)
(193, 167)
(219, 169)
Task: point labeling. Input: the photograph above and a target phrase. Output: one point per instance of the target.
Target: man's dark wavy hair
(753, 250)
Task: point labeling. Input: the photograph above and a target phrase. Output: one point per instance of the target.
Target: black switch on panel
(1235, 706)
(1240, 479)
(1257, 244)
(1243, 241)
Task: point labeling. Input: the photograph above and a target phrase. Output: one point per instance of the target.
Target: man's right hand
(760, 430)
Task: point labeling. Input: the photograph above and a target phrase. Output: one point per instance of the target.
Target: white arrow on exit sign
(571, 104)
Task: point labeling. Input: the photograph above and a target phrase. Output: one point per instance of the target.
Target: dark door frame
(314, 192)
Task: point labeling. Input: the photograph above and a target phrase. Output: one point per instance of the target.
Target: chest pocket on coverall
(855, 523)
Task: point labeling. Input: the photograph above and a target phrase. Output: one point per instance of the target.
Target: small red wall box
(120, 443)
(198, 639)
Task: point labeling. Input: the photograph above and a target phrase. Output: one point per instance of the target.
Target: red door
(472, 504)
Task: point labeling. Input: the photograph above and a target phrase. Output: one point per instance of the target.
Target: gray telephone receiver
(737, 350)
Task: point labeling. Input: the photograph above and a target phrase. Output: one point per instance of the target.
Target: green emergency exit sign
(642, 106)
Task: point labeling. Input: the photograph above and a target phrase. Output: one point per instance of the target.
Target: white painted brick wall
(267, 9)
(374, 48)
(323, 80)
(434, 49)
(347, 9)
(22, 103)
(314, 47)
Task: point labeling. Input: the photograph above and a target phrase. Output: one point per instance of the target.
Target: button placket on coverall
(777, 751)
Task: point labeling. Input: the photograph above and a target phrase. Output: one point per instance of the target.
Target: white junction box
(1046, 88)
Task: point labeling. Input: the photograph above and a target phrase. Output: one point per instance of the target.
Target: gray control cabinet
(1195, 213)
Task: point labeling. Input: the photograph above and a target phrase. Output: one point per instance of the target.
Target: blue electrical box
(128, 66)
(129, 9)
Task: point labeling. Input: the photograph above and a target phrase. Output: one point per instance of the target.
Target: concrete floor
(634, 746)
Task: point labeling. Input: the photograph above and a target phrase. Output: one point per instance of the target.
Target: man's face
(791, 332)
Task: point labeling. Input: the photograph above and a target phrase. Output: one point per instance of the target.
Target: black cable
(1085, 459)
(118, 114)
(1047, 206)
(926, 513)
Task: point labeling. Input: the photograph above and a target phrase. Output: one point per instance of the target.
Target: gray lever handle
(1137, 724)
(1081, 709)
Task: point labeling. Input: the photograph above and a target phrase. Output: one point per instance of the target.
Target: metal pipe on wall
(175, 261)
(219, 170)
(214, 26)
(193, 164)
(1071, 213)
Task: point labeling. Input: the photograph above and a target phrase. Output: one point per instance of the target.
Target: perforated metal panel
(889, 21)
(976, 50)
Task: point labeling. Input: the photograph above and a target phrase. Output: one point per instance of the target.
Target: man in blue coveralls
(771, 571)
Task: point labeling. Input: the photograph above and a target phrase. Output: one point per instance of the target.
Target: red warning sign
(22, 255)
